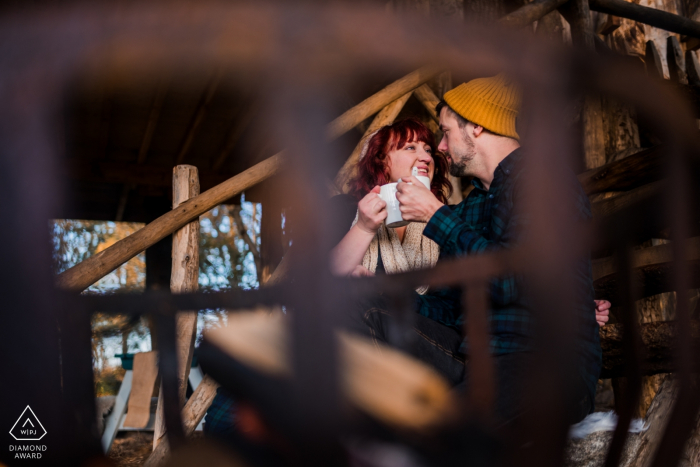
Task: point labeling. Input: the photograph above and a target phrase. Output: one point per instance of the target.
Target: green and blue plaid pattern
(487, 220)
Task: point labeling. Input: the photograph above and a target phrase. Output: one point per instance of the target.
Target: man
(479, 136)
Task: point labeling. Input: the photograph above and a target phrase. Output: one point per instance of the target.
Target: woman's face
(413, 154)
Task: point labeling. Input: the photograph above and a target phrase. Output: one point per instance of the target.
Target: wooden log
(652, 268)
(651, 16)
(608, 206)
(378, 101)
(385, 117)
(92, 269)
(184, 278)
(530, 13)
(674, 58)
(625, 174)
(427, 97)
(578, 15)
(658, 342)
(610, 25)
(652, 59)
(192, 414)
(692, 68)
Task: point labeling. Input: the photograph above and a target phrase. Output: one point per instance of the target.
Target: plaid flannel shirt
(488, 221)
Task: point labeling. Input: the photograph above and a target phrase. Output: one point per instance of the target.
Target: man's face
(456, 144)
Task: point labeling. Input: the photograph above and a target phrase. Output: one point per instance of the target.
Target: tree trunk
(184, 278)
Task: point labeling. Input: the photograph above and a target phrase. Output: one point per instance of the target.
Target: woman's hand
(371, 212)
(361, 271)
(602, 311)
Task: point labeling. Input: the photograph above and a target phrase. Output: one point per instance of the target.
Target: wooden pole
(530, 13)
(378, 101)
(192, 414)
(385, 117)
(427, 97)
(184, 278)
(94, 268)
(578, 15)
(651, 16)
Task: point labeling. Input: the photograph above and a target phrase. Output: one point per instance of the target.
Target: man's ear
(478, 129)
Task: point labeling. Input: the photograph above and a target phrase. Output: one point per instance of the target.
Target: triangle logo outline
(27, 418)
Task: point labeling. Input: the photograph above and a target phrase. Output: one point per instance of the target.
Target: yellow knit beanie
(489, 102)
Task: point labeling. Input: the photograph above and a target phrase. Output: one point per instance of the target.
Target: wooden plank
(652, 59)
(385, 117)
(192, 415)
(528, 14)
(692, 68)
(378, 101)
(625, 174)
(609, 206)
(651, 16)
(375, 378)
(184, 278)
(112, 422)
(144, 380)
(92, 269)
(675, 60)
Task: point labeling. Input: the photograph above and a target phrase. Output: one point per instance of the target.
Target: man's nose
(442, 147)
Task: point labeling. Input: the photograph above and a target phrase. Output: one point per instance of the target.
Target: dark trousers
(438, 346)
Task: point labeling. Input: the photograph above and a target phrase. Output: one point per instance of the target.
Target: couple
(479, 140)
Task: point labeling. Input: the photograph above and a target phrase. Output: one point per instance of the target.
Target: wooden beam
(609, 206)
(92, 269)
(427, 97)
(651, 16)
(530, 13)
(659, 343)
(625, 174)
(652, 269)
(192, 414)
(692, 68)
(198, 116)
(184, 278)
(652, 60)
(378, 101)
(675, 60)
(383, 118)
(578, 15)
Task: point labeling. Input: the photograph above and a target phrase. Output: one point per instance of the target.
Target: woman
(369, 246)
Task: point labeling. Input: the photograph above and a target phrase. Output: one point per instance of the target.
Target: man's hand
(371, 212)
(602, 311)
(417, 203)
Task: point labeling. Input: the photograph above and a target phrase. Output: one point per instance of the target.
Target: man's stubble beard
(462, 157)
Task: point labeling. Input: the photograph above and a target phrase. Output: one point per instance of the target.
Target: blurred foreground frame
(300, 56)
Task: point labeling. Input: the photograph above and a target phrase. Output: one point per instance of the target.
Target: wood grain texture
(427, 97)
(659, 344)
(378, 101)
(385, 117)
(184, 278)
(376, 379)
(192, 414)
(92, 269)
(609, 206)
(626, 174)
(144, 380)
(530, 13)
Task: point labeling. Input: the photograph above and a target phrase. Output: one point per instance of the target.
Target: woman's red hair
(373, 168)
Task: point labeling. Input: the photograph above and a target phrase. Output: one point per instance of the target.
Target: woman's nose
(424, 156)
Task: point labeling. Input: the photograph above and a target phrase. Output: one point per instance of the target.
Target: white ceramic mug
(388, 194)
